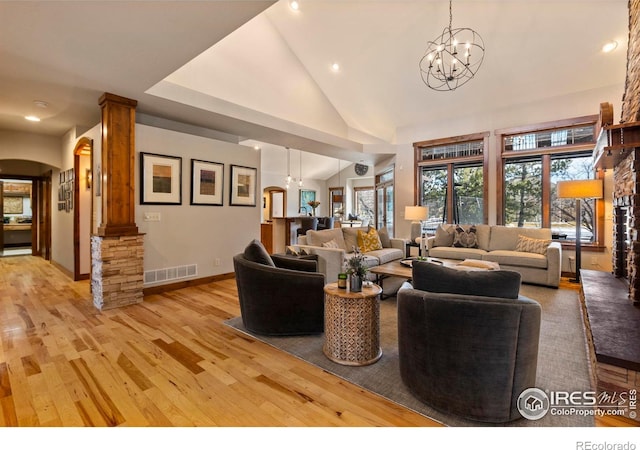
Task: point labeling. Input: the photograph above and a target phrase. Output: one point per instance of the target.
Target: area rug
(562, 358)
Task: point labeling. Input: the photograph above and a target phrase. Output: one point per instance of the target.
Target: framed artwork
(206, 182)
(160, 179)
(13, 205)
(243, 186)
(306, 196)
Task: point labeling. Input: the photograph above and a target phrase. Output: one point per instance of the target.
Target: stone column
(117, 271)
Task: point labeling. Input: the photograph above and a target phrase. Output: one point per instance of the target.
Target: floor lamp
(579, 189)
(416, 214)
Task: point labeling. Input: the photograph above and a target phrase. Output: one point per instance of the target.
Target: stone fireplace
(611, 301)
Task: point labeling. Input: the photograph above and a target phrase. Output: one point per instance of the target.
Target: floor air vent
(170, 273)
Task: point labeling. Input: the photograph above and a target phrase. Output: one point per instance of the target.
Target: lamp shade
(416, 213)
(580, 189)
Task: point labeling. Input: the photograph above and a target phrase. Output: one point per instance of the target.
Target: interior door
(2, 209)
(44, 216)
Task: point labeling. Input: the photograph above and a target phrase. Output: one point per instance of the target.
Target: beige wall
(189, 234)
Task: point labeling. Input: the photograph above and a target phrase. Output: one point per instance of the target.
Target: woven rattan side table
(352, 325)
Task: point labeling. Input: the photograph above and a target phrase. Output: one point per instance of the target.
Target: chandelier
(452, 59)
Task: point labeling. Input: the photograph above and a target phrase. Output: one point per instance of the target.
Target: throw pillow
(480, 264)
(368, 242)
(444, 236)
(465, 238)
(530, 245)
(385, 240)
(484, 283)
(330, 244)
(291, 250)
(256, 252)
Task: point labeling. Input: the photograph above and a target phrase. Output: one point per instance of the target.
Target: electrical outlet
(594, 260)
(217, 262)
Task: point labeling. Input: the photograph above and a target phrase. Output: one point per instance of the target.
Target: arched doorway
(83, 209)
(274, 203)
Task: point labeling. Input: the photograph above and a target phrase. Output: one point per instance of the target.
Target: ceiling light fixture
(609, 46)
(32, 118)
(453, 58)
(300, 170)
(293, 4)
(40, 104)
(335, 67)
(288, 179)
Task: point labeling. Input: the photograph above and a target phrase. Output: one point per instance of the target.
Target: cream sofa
(498, 244)
(331, 260)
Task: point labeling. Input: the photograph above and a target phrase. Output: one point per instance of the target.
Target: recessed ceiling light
(609, 46)
(40, 103)
(335, 67)
(293, 4)
(32, 118)
(256, 147)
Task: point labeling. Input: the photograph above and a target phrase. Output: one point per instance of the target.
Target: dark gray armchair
(471, 347)
(307, 223)
(325, 223)
(286, 300)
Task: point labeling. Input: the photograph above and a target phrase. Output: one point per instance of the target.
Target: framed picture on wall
(160, 179)
(306, 196)
(206, 182)
(243, 186)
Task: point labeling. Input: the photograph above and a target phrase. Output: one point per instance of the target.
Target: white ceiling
(263, 71)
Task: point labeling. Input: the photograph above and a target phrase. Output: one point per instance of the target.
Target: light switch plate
(152, 217)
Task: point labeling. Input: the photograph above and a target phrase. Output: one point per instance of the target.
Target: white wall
(189, 234)
(270, 179)
(30, 147)
(62, 221)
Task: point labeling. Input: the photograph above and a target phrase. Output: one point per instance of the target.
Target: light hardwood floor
(169, 361)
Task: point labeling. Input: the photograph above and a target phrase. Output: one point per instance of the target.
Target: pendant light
(288, 179)
(337, 198)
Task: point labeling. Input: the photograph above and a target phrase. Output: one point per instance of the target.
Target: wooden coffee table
(352, 325)
(400, 270)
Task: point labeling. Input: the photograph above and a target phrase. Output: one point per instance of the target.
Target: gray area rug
(562, 358)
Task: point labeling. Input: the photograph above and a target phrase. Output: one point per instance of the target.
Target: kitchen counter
(16, 226)
(17, 234)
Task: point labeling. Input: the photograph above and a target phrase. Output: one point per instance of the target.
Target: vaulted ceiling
(260, 71)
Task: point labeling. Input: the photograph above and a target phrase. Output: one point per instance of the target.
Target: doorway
(83, 208)
(385, 200)
(274, 203)
(18, 227)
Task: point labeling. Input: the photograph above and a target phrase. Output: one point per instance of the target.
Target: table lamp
(416, 214)
(579, 189)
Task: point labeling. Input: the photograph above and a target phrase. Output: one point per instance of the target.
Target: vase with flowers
(314, 204)
(357, 270)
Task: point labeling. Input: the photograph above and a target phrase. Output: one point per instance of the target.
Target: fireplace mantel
(614, 141)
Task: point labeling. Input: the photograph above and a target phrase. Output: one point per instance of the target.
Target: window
(365, 204)
(336, 202)
(385, 200)
(452, 180)
(532, 161)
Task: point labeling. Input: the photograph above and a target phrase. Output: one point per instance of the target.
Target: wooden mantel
(614, 141)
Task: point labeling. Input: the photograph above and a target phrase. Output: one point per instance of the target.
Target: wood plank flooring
(169, 361)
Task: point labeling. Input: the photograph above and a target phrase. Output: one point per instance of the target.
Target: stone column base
(117, 272)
